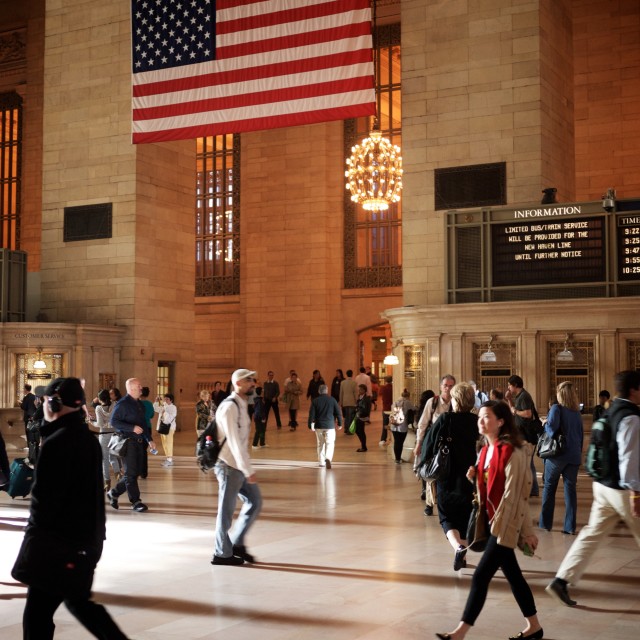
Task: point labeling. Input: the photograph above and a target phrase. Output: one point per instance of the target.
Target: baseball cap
(241, 374)
(69, 390)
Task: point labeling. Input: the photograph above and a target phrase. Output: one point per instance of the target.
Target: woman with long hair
(565, 416)
(402, 414)
(504, 482)
(205, 410)
(103, 414)
(167, 411)
(459, 430)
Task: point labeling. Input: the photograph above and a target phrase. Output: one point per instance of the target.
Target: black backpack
(207, 447)
(598, 459)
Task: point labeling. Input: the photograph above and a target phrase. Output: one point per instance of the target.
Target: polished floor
(342, 554)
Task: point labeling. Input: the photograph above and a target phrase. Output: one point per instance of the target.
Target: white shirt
(234, 424)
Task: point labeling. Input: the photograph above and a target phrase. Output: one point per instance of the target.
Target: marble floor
(342, 554)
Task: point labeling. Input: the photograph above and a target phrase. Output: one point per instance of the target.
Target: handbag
(478, 527)
(118, 445)
(55, 564)
(163, 428)
(532, 429)
(352, 426)
(438, 466)
(551, 446)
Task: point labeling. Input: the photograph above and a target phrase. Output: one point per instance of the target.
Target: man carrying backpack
(235, 475)
(616, 496)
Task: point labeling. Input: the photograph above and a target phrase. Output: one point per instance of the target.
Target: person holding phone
(504, 482)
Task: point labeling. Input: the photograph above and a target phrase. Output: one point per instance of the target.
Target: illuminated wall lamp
(489, 355)
(39, 363)
(391, 359)
(565, 355)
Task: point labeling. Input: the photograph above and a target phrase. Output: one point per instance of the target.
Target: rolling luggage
(21, 478)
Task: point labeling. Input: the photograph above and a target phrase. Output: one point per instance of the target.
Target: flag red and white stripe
(278, 63)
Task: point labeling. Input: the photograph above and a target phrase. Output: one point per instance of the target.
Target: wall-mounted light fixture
(392, 358)
(39, 363)
(489, 355)
(565, 355)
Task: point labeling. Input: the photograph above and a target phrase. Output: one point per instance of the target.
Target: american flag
(209, 67)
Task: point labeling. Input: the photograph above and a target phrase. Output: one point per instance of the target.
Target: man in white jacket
(235, 474)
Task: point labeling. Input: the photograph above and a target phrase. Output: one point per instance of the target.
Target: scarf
(491, 492)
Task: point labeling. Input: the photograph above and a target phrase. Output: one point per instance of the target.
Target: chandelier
(374, 170)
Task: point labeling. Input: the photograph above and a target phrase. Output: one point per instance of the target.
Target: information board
(550, 251)
(628, 240)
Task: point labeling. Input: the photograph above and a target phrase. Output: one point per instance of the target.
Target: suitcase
(21, 478)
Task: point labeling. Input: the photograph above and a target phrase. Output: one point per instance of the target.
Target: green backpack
(598, 461)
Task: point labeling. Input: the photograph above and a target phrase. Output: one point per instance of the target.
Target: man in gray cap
(235, 474)
(63, 540)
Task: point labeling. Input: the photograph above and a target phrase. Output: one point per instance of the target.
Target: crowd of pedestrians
(490, 441)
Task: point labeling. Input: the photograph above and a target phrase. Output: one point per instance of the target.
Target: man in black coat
(70, 457)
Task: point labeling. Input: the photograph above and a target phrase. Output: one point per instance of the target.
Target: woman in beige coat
(293, 391)
(504, 483)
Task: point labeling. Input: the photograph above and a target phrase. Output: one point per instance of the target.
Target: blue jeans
(553, 469)
(233, 484)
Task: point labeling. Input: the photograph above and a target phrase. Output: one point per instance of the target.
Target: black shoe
(569, 533)
(428, 510)
(536, 635)
(459, 561)
(361, 450)
(327, 463)
(443, 636)
(559, 592)
(140, 507)
(241, 551)
(113, 499)
(231, 560)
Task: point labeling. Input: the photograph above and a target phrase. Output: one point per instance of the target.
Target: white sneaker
(382, 443)
(254, 447)
(167, 463)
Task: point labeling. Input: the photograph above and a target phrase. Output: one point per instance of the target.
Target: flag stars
(171, 32)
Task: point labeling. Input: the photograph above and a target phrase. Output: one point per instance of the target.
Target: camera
(609, 201)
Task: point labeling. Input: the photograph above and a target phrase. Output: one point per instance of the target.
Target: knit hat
(69, 390)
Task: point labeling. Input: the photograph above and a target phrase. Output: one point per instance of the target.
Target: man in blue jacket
(323, 415)
(128, 419)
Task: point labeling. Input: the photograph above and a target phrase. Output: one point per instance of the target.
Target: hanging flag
(209, 67)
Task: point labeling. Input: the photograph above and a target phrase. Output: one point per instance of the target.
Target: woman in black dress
(455, 493)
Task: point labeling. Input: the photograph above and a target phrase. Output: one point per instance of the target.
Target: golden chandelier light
(374, 172)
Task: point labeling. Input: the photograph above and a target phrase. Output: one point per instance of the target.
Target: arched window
(373, 239)
(10, 169)
(218, 215)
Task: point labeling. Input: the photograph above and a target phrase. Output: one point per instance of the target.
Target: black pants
(398, 442)
(385, 426)
(348, 414)
(293, 414)
(362, 436)
(37, 621)
(133, 463)
(261, 430)
(272, 403)
(497, 557)
(4, 460)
